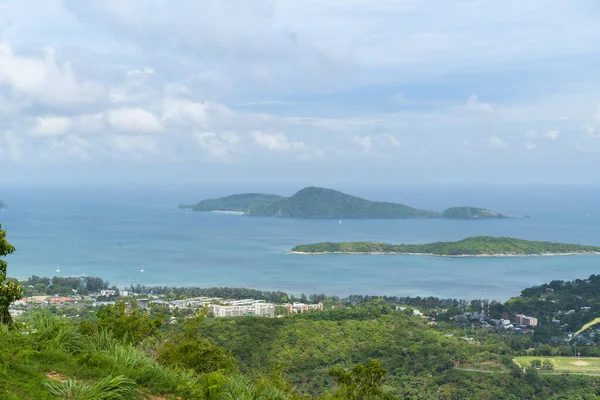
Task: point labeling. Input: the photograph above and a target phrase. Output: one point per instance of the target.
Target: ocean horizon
(116, 232)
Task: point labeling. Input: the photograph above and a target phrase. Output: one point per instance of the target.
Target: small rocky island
(315, 202)
(478, 246)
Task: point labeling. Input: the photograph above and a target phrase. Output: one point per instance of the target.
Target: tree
(363, 382)
(129, 324)
(547, 364)
(535, 363)
(9, 290)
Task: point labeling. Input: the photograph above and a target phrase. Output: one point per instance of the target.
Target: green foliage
(129, 324)
(313, 202)
(9, 290)
(470, 213)
(109, 388)
(363, 382)
(472, 246)
(547, 365)
(236, 202)
(535, 363)
(187, 349)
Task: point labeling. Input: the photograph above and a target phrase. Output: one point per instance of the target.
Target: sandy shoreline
(446, 255)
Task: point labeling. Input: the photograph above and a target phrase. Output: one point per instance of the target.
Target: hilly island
(478, 246)
(315, 202)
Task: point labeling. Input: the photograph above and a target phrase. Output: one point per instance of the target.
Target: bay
(115, 232)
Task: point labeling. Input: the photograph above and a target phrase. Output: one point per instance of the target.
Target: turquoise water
(115, 232)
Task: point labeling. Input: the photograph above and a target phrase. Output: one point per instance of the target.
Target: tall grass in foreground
(109, 388)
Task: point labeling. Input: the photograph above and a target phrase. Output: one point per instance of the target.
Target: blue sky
(362, 91)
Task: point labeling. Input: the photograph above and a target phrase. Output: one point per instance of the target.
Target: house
(525, 320)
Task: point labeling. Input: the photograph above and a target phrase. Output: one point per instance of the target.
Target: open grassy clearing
(564, 364)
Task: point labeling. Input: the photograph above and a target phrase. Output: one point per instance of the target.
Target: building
(525, 320)
(258, 309)
(299, 308)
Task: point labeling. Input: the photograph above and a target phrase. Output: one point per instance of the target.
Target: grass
(566, 364)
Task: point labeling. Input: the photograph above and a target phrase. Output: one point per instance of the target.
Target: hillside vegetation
(472, 246)
(236, 202)
(314, 202)
(470, 213)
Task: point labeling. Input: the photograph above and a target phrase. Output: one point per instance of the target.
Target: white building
(259, 309)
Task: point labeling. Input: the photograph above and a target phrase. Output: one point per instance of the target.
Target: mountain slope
(470, 213)
(314, 202)
(236, 202)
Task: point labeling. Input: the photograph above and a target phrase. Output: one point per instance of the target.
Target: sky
(313, 92)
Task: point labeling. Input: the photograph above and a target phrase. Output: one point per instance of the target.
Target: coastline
(498, 255)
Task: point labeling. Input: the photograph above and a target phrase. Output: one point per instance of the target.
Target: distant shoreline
(445, 255)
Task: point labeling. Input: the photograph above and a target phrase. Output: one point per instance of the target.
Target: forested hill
(473, 246)
(236, 202)
(470, 213)
(315, 202)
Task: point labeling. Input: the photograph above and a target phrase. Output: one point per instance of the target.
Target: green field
(566, 364)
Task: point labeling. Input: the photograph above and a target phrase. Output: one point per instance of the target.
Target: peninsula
(315, 202)
(236, 202)
(478, 246)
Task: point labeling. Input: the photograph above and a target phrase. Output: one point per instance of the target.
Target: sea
(136, 235)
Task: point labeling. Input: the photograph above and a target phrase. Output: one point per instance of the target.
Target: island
(237, 202)
(2, 205)
(470, 213)
(316, 202)
(478, 246)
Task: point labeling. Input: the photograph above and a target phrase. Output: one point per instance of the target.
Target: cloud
(276, 142)
(13, 146)
(365, 143)
(218, 147)
(376, 144)
(533, 138)
(473, 104)
(43, 80)
(134, 120)
(137, 147)
(495, 143)
(69, 148)
(51, 126)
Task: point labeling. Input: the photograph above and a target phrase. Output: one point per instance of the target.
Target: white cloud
(473, 104)
(495, 143)
(390, 140)
(51, 126)
(218, 147)
(365, 143)
(182, 111)
(530, 145)
(13, 145)
(69, 148)
(533, 138)
(376, 144)
(44, 80)
(134, 120)
(276, 142)
(137, 147)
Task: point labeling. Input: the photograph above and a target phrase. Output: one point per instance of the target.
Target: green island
(470, 213)
(470, 247)
(315, 202)
(236, 202)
